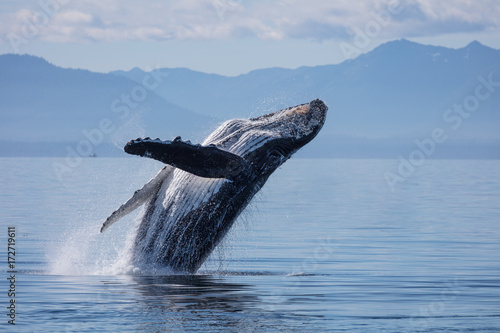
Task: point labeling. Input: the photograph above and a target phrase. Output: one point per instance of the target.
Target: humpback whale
(194, 200)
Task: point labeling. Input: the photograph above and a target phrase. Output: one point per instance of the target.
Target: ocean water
(326, 246)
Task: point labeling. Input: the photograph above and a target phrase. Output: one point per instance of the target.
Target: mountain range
(380, 102)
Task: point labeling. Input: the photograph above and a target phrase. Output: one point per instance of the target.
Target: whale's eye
(282, 150)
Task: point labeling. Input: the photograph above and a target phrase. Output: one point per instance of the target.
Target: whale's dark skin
(193, 202)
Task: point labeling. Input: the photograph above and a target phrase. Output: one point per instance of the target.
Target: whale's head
(240, 147)
(278, 134)
(295, 126)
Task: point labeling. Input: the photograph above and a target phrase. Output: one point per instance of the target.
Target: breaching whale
(193, 201)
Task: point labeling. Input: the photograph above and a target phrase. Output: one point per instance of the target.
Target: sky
(232, 37)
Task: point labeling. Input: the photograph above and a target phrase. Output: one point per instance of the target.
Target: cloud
(114, 20)
(72, 17)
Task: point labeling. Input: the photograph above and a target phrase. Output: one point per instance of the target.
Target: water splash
(132, 127)
(82, 250)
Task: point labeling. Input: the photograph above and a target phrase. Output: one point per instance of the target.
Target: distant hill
(43, 102)
(399, 88)
(380, 102)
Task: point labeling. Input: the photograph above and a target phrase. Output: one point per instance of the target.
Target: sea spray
(79, 248)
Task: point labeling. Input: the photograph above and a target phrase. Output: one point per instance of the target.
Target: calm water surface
(325, 246)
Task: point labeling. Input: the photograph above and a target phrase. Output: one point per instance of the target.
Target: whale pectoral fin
(139, 197)
(202, 161)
